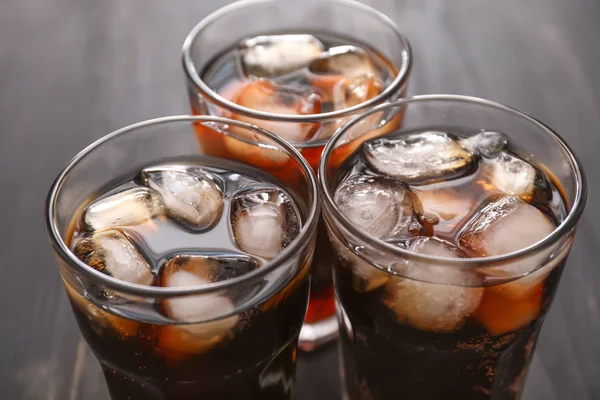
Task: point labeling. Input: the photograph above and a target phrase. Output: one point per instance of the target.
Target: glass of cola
(449, 236)
(188, 274)
(299, 69)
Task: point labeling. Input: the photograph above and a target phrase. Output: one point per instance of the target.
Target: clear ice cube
(275, 55)
(418, 158)
(194, 337)
(129, 207)
(214, 268)
(241, 144)
(504, 225)
(365, 276)
(190, 197)
(264, 221)
(446, 204)
(385, 209)
(487, 143)
(512, 175)
(100, 320)
(350, 92)
(347, 77)
(439, 307)
(112, 253)
(285, 99)
(530, 284)
(348, 61)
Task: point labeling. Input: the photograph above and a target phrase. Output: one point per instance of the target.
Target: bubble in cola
(189, 196)
(264, 221)
(418, 158)
(275, 55)
(129, 207)
(433, 298)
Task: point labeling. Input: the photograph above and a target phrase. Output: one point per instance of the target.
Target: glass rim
(560, 231)
(61, 248)
(193, 76)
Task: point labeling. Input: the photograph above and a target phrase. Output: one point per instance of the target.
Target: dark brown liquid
(387, 360)
(150, 358)
(484, 358)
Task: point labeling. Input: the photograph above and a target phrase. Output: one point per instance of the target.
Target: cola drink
(178, 226)
(439, 324)
(296, 75)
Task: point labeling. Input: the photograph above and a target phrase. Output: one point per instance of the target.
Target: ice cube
(129, 207)
(487, 143)
(214, 267)
(504, 225)
(439, 307)
(510, 306)
(529, 284)
(274, 55)
(348, 61)
(365, 276)
(241, 144)
(346, 76)
(383, 208)
(100, 320)
(418, 158)
(340, 92)
(460, 275)
(190, 197)
(194, 337)
(446, 204)
(283, 99)
(350, 92)
(501, 314)
(264, 221)
(112, 253)
(512, 175)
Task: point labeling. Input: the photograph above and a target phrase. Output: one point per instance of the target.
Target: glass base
(315, 335)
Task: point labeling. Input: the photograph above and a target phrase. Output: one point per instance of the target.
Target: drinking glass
(144, 353)
(388, 357)
(342, 19)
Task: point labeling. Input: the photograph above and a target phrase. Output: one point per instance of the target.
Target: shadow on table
(318, 376)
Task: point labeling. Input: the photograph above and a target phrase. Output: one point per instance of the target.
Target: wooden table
(72, 71)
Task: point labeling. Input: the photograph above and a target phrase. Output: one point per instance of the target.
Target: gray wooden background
(74, 70)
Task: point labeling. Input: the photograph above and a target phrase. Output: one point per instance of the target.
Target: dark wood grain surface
(72, 71)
